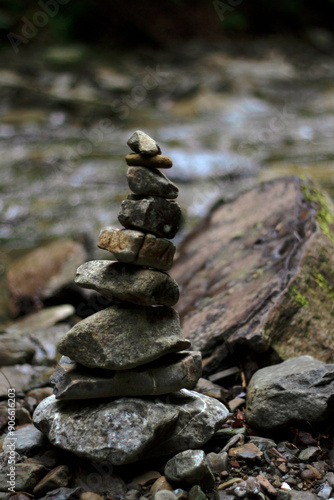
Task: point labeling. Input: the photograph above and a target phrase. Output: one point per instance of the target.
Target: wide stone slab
(150, 181)
(135, 247)
(125, 430)
(129, 283)
(257, 276)
(124, 336)
(167, 374)
(153, 214)
(296, 391)
(143, 144)
(158, 161)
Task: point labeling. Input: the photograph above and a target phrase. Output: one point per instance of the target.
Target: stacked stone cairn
(121, 389)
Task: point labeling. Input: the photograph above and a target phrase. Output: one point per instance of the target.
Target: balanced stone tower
(127, 367)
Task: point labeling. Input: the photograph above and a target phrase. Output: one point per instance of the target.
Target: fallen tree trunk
(257, 277)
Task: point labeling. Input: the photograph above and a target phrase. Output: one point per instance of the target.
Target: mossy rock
(258, 276)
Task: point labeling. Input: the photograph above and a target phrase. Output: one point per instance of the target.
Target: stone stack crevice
(135, 347)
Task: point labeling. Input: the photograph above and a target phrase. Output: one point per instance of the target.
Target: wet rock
(245, 488)
(297, 390)
(196, 493)
(309, 453)
(129, 283)
(152, 214)
(164, 495)
(232, 273)
(124, 336)
(217, 461)
(23, 377)
(143, 144)
(158, 161)
(56, 478)
(189, 467)
(167, 374)
(325, 491)
(148, 181)
(182, 420)
(208, 388)
(135, 247)
(15, 349)
(41, 320)
(63, 493)
(43, 273)
(161, 484)
(246, 451)
(26, 439)
(26, 475)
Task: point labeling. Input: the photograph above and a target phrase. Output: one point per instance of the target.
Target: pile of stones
(122, 388)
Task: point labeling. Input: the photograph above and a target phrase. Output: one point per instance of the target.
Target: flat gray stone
(143, 144)
(129, 283)
(167, 374)
(297, 390)
(188, 468)
(153, 214)
(15, 349)
(124, 430)
(124, 336)
(135, 247)
(150, 181)
(26, 438)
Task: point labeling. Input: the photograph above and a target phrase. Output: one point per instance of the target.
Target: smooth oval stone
(153, 214)
(124, 336)
(158, 161)
(128, 282)
(150, 181)
(130, 246)
(143, 144)
(121, 431)
(167, 374)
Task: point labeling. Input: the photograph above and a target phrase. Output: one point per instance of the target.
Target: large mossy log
(257, 277)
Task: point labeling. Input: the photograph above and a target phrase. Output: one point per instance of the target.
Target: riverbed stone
(150, 181)
(26, 438)
(124, 336)
(158, 161)
(167, 374)
(27, 474)
(153, 214)
(42, 274)
(295, 391)
(56, 478)
(129, 283)
(155, 426)
(188, 468)
(15, 349)
(130, 246)
(143, 144)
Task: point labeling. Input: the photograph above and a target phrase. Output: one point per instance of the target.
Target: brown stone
(152, 214)
(135, 247)
(56, 478)
(42, 273)
(257, 274)
(158, 161)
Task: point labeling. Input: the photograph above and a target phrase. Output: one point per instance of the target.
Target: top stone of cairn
(143, 144)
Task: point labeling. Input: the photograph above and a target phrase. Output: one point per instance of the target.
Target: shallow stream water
(230, 114)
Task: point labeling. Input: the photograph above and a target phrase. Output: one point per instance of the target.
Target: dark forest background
(153, 22)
